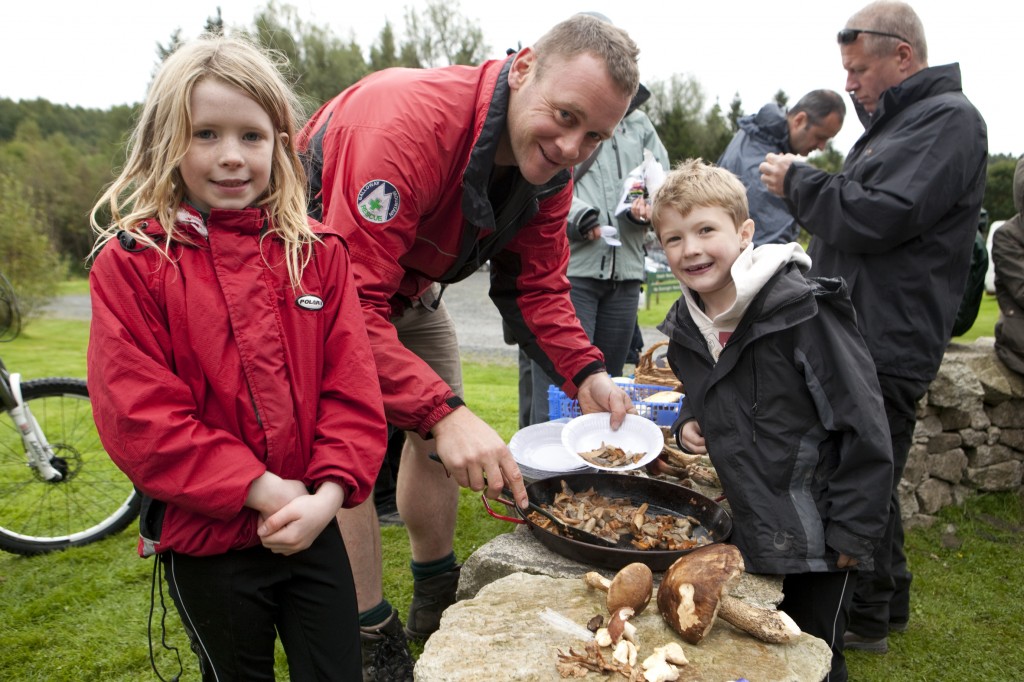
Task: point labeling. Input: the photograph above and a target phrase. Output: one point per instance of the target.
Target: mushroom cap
(692, 588)
(632, 586)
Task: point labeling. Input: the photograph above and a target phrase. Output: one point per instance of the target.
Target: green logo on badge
(378, 201)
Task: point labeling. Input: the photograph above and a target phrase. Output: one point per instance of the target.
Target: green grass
(659, 308)
(81, 614)
(967, 599)
(48, 347)
(74, 286)
(985, 323)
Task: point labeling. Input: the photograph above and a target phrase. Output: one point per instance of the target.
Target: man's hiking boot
(430, 597)
(386, 656)
(390, 518)
(851, 640)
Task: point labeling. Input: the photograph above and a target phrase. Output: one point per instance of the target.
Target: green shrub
(27, 256)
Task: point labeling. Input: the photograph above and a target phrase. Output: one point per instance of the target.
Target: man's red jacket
(400, 164)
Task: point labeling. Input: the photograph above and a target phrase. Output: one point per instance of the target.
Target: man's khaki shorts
(430, 334)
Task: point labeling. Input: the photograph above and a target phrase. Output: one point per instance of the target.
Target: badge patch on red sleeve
(378, 201)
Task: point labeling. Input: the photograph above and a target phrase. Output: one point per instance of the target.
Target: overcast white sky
(102, 54)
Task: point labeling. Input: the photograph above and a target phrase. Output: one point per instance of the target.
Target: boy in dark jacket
(782, 395)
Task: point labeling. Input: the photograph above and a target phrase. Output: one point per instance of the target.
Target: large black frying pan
(661, 496)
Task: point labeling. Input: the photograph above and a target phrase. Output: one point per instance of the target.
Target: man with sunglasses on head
(897, 223)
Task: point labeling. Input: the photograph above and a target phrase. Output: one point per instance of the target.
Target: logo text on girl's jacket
(309, 302)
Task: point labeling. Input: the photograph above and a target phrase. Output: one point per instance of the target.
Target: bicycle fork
(40, 454)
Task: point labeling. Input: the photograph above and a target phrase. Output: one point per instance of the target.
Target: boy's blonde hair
(150, 184)
(693, 184)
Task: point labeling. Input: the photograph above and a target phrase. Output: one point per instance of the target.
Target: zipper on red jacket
(252, 399)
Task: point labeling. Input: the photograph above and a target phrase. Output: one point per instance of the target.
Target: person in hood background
(809, 125)
(1008, 258)
(781, 394)
(897, 223)
(605, 277)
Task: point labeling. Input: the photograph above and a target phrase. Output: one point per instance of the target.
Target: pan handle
(501, 517)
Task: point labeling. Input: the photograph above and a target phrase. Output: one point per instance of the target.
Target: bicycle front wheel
(94, 498)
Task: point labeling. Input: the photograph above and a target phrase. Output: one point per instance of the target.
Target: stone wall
(969, 436)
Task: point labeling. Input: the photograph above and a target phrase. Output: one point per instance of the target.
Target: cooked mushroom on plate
(611, 456)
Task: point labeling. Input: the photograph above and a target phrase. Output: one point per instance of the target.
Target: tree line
(56, 159)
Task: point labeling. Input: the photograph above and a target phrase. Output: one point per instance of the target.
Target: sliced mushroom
(673, 653)
(625, 653)
(695, 590)
(661, 665)
(619, 625)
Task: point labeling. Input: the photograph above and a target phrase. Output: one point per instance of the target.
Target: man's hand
(692, 438)
(598, 393)
(845, 561)
(590, 227)
(640, 210)
(773, 171)
(476, 456)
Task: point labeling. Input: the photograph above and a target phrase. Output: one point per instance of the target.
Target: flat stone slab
(495, 632)
(499, 635)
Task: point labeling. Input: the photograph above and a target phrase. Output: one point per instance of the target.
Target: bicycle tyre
(93, 500)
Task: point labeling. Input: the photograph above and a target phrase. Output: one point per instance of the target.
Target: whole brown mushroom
(695, 590)
(629, 593)
(632, 586)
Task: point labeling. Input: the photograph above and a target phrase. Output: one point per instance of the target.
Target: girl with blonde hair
(230, 371)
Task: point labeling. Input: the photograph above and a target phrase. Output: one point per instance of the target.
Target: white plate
(539, 448)
(636, 434)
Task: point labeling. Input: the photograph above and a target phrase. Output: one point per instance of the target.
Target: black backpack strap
(581, 169)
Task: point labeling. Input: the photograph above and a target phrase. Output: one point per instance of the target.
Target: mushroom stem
(597, 581)
(680, 459)
(768, 625)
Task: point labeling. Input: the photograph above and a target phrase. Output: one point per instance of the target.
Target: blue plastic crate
(663, 414)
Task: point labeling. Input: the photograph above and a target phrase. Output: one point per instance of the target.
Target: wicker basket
(649, 371)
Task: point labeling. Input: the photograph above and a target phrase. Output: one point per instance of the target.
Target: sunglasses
(849, 35)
